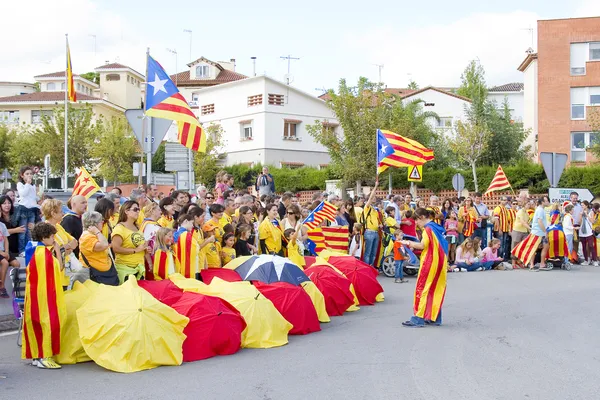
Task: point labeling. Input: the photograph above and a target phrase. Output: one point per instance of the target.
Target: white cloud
(437, 54)
(587, 8)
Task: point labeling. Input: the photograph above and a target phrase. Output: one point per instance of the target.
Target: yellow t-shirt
(390, 222)
(357, 212)
(294, 254)
(271, 235)
(212, 252)
(225, 219)
(520, 226)
(166, 222)
(114, 220)
(97, 259)
(371, 218)
(131, 240)
(140, 218)
(227, 254)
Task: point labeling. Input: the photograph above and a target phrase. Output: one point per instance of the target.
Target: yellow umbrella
(125, 329)
(321, 261)
(265, 327)
(71, 349)
(236, 262)
(317, 299)
(189, 285)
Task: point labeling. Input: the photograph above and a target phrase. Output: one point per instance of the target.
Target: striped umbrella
(269, 268)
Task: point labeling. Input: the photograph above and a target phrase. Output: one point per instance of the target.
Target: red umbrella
(335, 289)
(215, 327)
(164, 291)
(228, 275)
(294, 304)
(310, 260)
(362, 277)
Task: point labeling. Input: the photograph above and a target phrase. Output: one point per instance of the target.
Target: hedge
(286, 179)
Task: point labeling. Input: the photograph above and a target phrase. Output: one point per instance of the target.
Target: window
(578, 100)
(207, 109)
(595, 100)
(202, 71)
(577, 111)
(113, 77)
(51, 86)
(580, 141)
(595, 51)
(246, 130)
(291, 164)
(37, 115)
(290, 129)
(578, 57)
(444, 122)
(255, 100)
(62, 86)
(275, 99)
(9, 117)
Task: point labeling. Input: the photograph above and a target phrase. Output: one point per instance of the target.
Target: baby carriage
(411, 266)
(18, 278)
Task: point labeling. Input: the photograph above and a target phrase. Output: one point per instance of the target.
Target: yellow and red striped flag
(70, 87)
(315, 241)
(187, 255)
(527, 248)
(85, 185)
(163, 100)
(499, 182)
(324, 211)
(336, 238)
(396, 151)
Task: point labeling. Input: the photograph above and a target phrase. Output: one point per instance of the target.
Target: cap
(210, 226)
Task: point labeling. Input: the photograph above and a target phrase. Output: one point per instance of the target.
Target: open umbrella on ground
(188, 284)
(265, 326)
(215, 326)
(125, 329)
(317, 299)
(294, 304)
(362, 276)
(164, 291)
(268, 269)
(319, 261)
(71, 349)
(335, 289)
(222, 273)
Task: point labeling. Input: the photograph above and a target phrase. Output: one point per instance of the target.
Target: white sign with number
(564, 194)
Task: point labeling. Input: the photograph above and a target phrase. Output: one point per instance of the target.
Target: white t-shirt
(568, 224)
(27, 195)
(3, 235)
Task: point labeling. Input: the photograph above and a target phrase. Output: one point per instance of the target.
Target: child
(451, 227)
(227, 250)
(490, 258)
(212, 250)
(409, 225)
(477, 248)
(242, 247)
(399, 256)
(295, 248)
(568, 229)
(5, 260)
(45, 308)
(356, 241)
(187, 248)
(164, 258)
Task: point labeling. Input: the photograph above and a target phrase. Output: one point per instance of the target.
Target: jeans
(26, 216)
(505, 245)
(371, 243)
(569, 244)
(471, 267)
(481, 233)
(421, 321)
(399, 266)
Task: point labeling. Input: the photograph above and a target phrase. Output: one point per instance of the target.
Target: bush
(286, 179)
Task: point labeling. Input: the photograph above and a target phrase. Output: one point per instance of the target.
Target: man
(140, 197)
(483, 214)
(201, 193)
(334, 199)
(295, 200)
(228, 214)
(398, 204)
(372, 223)
(72, 221)
(577, 215)
(152, 192)
(265, 183)
(317, 196)
(180, 198)
(433, 206)
(210, 200)
(407, 201)
(286, 200)
(117, 190)
(538, 228)
(505, 217)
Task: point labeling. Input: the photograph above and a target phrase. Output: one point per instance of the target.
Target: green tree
(158, 159)
(6, 140)
(25, 149)
(506, 137)
(92, 77)
(413, 85)
(206, 164)
(469, 145)
(593, 120)
(115, 149)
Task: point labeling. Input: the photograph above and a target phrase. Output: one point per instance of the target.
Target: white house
(16, 88)
(264, 121)
(529, 68)
(514, 93)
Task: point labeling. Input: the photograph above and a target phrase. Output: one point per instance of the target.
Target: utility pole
(289, 58)
(190, 32)
(380, 67)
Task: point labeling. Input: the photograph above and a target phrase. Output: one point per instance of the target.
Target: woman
(350, 215)
(216, 213)
(106, 209)
(29, 210)
(431, 282)
(247, 217)
(7, 218)
(167, 208)
(520, 229)
(446, 208)
(586, 235)
(128, 243)
(467, 220)
(52, 210)
(221, 187)
(94, 249)
(466, 257)
(149, 228)
(293, 220)
(269, 232)
(340, 218)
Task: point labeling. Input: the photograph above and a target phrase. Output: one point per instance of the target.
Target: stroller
(18, 278)
(411, 266)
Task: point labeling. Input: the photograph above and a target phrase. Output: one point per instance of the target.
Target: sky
(429, 42)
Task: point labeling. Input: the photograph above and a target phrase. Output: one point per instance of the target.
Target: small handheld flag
(323, 211)
(499, 182)
(85, 185)
(396, 151)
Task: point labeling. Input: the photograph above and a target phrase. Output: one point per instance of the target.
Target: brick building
(562, 86)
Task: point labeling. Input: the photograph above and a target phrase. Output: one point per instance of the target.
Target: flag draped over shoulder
(163, 100)
(70, 87)
(322, 212)
(499, 182)
(397, 151)
(336, 238)
(85, 185)
(526, 249)
(187, 254)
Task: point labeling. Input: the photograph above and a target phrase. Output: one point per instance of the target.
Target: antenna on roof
(380, 66)
(253, 65)
(530, 30)
(289, 58)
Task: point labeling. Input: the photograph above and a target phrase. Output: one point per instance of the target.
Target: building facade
(16, 88)
(513, 93)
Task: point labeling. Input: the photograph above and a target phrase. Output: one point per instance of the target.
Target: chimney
(232, 60)
(106, 62)
(253, 65)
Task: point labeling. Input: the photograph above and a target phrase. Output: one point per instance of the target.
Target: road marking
(8, 333)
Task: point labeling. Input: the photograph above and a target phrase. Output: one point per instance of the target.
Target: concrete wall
(516, 103)
(444, 105)
(530, 106)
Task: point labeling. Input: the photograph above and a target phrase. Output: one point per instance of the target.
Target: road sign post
(554, 165)
(458, 183)
(415, 173)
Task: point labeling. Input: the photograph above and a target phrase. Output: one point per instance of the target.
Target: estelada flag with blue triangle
(163, 100)
(396, 151)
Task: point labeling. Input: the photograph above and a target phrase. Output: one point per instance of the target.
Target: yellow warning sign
(415, 173)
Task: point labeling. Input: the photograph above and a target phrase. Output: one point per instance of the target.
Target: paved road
(507, 335)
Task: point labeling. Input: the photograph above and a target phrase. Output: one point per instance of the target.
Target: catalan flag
(163, 100)
(397, 151)
(336, 238)
(499, 182)
(527, 248)
(315, 241)
(70, 87)
(163, 265)
(558, 247)
(85, 185)
(322, 212)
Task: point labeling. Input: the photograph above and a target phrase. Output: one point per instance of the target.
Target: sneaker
(596, 264)
(397, 280)
(585, 263)
(547, 267)
(479, 269)
(21, 254)
(463, 270)
(4, 294)
(456, 270)
(45, 363)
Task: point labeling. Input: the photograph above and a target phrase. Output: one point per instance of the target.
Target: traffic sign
(564, 194)
(415, 173)
(554, 165)
(177, 157)
(156, 129)
(458, 182)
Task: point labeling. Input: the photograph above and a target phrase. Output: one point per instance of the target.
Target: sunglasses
(209, 198)
(134, 209)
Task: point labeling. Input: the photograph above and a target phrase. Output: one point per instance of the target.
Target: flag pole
(66, 185)
(144, 119)
(149, 177)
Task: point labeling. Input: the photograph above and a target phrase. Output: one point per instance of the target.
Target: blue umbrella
(268, 269)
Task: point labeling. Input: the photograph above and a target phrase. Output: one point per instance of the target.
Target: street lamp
(190, 32)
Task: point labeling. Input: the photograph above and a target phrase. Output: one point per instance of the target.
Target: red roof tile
(183, 78)
(112, 66)
(437, 90)
(60, 74)
(44, 96)
(509, 87)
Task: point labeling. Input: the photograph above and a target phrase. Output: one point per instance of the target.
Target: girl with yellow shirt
(269, 232)
(167, 209)
(128, 242)
(227, 250)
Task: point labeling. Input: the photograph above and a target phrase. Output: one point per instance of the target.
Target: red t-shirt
(411, 229)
